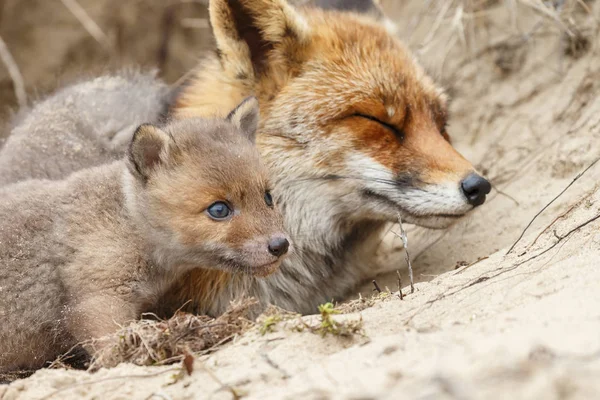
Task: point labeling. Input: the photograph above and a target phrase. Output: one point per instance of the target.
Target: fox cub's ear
(148, 149)
(245, 117)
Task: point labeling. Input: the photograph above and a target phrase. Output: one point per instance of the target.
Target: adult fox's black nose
(475, 188)
(278, 246)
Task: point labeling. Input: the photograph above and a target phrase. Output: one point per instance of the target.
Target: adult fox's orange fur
(353, 130)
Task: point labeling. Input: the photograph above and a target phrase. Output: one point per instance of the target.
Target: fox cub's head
(347, 103)
(203, 196)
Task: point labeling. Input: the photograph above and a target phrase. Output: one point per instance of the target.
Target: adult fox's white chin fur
(435, 207)
(432, 222)
(431, 205)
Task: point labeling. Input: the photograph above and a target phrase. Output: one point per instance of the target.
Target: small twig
(376, 286)
(500, 192)
(560, 239)
(470, 265)
(87, 22)
(402, 235)
(549, 204)
(548, 13)
(556, 220)
(435, 27)
(399, 285)
(588, 10)
(214, 348)
(14, 72)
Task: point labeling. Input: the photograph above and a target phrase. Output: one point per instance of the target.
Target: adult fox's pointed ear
(247, 30)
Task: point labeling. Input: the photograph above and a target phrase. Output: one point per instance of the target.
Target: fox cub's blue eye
(219, 210)
(268, 199)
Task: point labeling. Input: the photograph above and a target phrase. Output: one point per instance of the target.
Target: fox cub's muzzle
(278, 246)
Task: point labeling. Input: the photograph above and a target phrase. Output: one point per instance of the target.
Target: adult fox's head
(344, 103)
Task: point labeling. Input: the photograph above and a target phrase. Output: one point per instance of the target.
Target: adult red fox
(352, 129)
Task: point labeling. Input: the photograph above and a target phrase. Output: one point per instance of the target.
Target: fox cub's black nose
(475, 188)
(278, 246)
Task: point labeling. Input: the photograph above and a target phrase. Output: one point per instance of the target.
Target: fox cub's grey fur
(82, 125)
(81, 255)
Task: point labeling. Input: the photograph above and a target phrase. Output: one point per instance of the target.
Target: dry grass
(502, 28)
(158, 342)
(362, 303)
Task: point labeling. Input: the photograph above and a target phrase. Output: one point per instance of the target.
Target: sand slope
(527, 331)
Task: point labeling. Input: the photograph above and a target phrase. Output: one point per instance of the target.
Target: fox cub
(82, 255)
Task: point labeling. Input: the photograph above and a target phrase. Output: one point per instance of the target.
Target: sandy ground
(522, 326)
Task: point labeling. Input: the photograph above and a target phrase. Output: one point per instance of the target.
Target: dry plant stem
(404, 238)
(151, 342)
(500, 192)
(87, 22)
(588, 10)
(399, 285)
(14, 72)
(376, 286)
(560, 239)
(549, 204)
(436, 26)
(562, 215)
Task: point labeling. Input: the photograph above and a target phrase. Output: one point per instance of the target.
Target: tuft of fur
(81, 125)
(82, 256)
